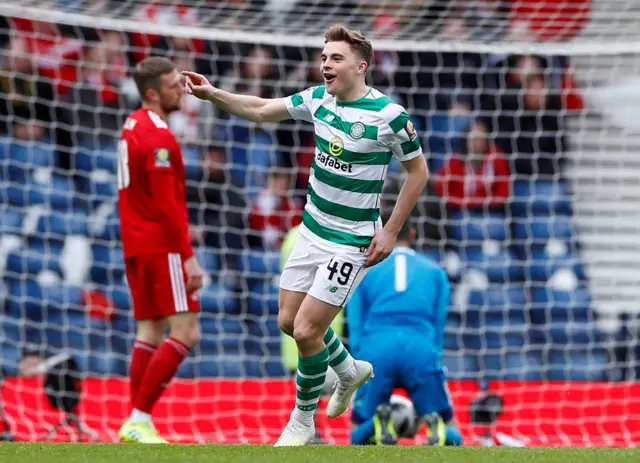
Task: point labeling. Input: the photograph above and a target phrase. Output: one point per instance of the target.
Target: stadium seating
(55, 225)
(523, 365)
(216, 298)
(108, 264)
(30, 261)
(10, 220)
(208, 259)
(250, 161)
(452, 332)
(578, 365)
(533, 290)
(472, 228)
(97, 187)
(495, 317)
(10, 328)
(11, 355)
(493, 259)
(119, 295)
(192, 162)
(91, 157)
(496, 329)
(460, 366)
(104, 223)
(219, 351)
(540, 198)
(509, 313)
(44, 187)
(26, 155)
(445, 134)
(539, 229)
(257, 264)
(263, 294)
(542, 263)
(564, 317)
(268, 367)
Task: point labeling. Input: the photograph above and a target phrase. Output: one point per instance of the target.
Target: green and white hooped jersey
(355, 141)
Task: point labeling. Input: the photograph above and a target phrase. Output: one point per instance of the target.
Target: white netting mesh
(515, 25)
(537, 231)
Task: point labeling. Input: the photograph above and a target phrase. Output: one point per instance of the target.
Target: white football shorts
(327, 271)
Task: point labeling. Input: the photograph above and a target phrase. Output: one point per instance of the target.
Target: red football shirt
(151, 188)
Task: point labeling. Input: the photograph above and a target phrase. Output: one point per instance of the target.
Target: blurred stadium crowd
(497, 212)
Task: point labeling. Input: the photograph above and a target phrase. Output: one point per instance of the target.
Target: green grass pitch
(121, 453)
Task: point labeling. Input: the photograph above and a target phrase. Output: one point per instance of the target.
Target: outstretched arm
(251, 108)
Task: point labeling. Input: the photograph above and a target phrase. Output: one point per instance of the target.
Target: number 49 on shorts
(345, 270)
(336, 280)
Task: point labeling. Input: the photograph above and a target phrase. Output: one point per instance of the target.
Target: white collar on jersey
(404, 249)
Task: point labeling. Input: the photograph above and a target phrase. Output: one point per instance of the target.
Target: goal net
(527, 113)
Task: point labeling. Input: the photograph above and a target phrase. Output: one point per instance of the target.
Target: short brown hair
(149, 71)
(358, 42)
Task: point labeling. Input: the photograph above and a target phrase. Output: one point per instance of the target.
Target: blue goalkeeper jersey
(404, 299)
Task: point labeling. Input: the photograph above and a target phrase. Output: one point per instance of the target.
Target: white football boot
(341, 398)
(296, 434)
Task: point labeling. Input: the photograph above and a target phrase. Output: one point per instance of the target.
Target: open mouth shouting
(328, 77)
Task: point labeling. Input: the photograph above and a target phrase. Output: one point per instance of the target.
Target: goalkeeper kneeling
(396, 321)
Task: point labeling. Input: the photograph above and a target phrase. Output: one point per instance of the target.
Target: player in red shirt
(163, 274)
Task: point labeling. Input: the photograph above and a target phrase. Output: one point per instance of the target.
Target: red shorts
(158, 286)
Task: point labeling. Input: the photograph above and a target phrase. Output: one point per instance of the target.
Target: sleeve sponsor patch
(411, 131)
(162, 157)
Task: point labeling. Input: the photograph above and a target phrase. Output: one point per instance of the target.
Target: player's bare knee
(306, 333)
(188, 336)
(193, 336)
(150, 332)
(285, 322)
(185, 328)
(289, 304)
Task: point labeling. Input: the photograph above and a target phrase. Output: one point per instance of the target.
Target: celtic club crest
(357, 131)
